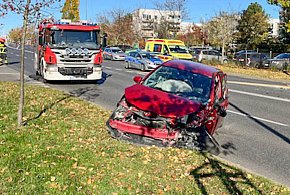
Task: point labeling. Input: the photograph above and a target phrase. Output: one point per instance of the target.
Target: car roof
(193, 67)
(113, 48)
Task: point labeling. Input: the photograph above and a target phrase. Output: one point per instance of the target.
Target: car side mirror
(137, 79)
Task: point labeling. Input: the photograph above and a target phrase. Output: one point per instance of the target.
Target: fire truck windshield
(73, 38)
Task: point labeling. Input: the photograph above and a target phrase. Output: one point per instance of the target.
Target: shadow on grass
(235, 181)
(46, 108)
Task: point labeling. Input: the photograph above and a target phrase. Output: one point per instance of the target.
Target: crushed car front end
(130, 123)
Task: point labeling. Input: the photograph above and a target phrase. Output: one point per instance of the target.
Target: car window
(117, 51)
(137, 55)
(211, 53)
(157, 48)
(282, 56)
(132, 54)
(180, 82)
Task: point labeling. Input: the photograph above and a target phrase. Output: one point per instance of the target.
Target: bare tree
(118, 25)
(30, 12)
(221, 29)
(172, 13)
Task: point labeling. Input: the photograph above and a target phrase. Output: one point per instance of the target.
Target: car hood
(160, 102)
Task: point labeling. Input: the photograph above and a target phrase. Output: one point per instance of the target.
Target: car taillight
(98, 58)
(49, 57)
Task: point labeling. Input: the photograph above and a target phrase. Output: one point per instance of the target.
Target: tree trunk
(21, 98)
(223, 52)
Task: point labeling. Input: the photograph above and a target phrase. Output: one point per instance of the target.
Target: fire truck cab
(68, 51)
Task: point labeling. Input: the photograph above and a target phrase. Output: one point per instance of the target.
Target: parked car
(253, 59)
(142, 60)
(210, 54)
(281, 61)
(124, 47)
(243, 51)
(113, 53)
(180, 103)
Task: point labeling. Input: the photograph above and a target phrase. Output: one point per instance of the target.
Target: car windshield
(180, 82)
(282, 56)
(117, 51)
(178, 49)
(148, 55)
(73, 38)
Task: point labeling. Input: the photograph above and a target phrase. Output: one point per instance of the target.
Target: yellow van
(168, 49)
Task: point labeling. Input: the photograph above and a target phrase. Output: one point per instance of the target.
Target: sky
(197, 9)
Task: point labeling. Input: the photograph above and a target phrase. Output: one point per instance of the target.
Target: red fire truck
(68, 51)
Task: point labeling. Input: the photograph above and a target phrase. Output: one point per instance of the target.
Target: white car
(113, 53)
(210, 54)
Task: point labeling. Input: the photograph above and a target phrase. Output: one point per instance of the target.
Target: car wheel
(285, 67)
(256, 65)
(142, 67)
(41, 72)
(127, 65)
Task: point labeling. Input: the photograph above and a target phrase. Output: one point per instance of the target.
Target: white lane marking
(17, 55)
(25, 57)
(258, 118)
(9, 73)
(259, 84)
(119, 69)
(260, 95)
(108, 67)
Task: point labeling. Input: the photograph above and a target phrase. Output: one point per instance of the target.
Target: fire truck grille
(75, 58)
(75, 71)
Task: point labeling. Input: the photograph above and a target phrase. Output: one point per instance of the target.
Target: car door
(220, 102)
(137, 61)
(131, 59)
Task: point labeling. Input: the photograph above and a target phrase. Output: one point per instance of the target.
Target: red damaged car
(180, 104)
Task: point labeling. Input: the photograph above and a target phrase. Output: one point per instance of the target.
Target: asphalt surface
(255, 135)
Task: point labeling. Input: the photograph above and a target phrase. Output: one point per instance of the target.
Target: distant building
(188, 27)
(146, 20)
(274, 25)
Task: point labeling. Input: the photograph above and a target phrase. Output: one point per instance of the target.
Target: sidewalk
(8, 74)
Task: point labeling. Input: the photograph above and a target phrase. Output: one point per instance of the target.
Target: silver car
(113, 53)
(142, 60)
(210, 54)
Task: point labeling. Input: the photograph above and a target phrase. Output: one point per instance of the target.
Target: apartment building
(274, 25)
(146, 21)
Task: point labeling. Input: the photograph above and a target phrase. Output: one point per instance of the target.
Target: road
(255, 134)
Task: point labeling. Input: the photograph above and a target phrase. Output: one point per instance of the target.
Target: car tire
(256, 65)
(142, 67)
(127, 66)
(285, 67)
(41, 72)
